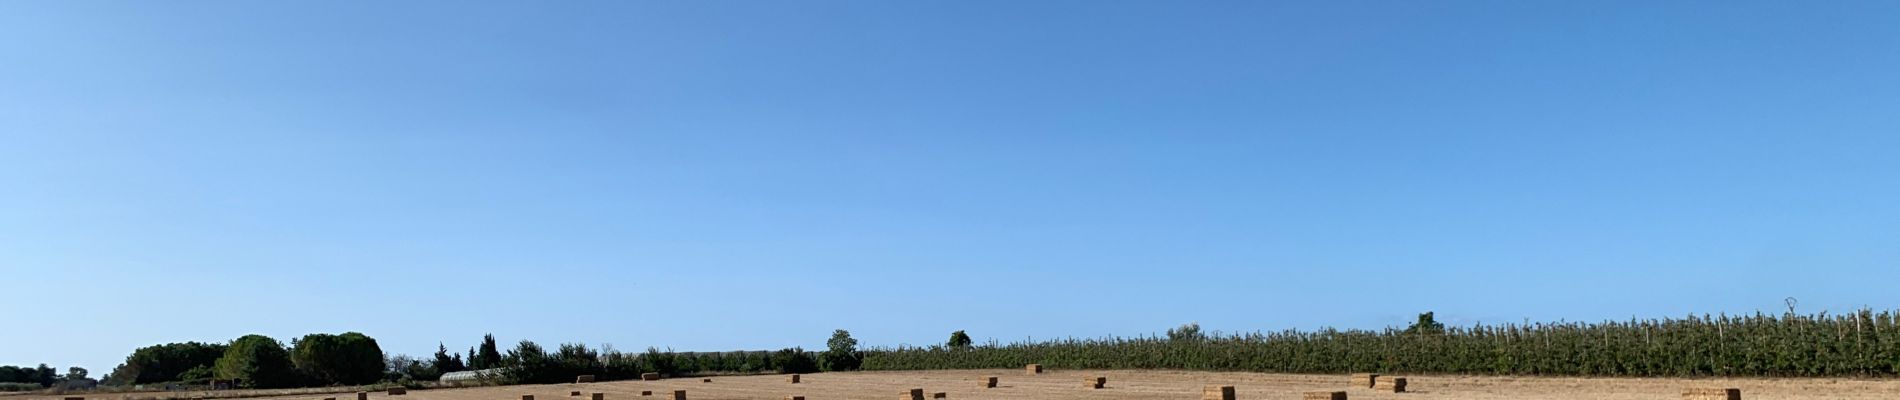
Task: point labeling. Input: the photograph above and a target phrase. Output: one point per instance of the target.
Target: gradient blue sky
(718, 175)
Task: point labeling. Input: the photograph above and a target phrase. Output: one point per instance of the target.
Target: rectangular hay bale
(584, 379)
(646, 393)
(398, 391)
(650, 376)
(1033, 368)
(679, 395)
(1323, 395)
(1364, 380)
(988, 382)
(598, 396)
(913, 394)
(527, 397)
(1711, 394)
(939, 395)
(362, 395)
(1096, 382)
(1212, 392)
(794, 397)
(1390, 384)
(573, 393)
(792, 379)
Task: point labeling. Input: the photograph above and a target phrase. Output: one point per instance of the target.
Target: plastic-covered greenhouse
(472, 376)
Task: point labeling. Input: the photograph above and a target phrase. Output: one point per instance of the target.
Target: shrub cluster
(19, 386)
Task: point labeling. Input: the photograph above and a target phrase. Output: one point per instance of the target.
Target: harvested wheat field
(1124, 384)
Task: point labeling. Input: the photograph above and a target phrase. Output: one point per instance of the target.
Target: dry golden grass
(1130, 385)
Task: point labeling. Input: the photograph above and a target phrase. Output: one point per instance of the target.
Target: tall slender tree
(490, 356)
(443, 362)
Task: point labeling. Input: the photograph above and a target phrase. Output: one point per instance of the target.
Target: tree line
(1863, 343)
(529, 362)
(15, 378)
(257, 361)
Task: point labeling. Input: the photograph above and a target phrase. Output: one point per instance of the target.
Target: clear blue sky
(753, 174)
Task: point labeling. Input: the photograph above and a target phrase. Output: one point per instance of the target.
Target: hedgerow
(1862, 343)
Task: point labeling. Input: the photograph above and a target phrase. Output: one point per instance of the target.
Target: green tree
(794, 361)
(490, 357)
(1188, 332)
(350, 358)
(662, 362)
(445, 363)
(404, 366)
(42, 376)
(1426, 325)
(75, 374)
(165, 363)
(841, 353)
(47, 375)
(529, 363)
(11, 374)
(959, 340)
(200, 373)
(257, 360)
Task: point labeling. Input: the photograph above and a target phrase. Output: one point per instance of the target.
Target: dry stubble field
(1054, 385)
